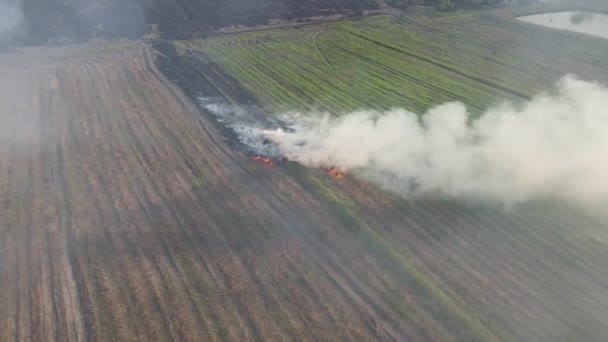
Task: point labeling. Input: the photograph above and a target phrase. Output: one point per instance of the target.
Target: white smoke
(555, 145)
(10, 15)
(11, 20)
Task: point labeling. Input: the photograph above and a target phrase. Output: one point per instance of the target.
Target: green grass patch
(409, 60)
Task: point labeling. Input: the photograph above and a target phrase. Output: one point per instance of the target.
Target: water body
(583, 22)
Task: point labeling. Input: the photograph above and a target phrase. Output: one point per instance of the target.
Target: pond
(584, 22)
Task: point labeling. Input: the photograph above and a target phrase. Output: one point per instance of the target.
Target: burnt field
(127, 213)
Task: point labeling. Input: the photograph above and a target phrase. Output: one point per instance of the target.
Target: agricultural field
(129, 213)
(413, 61)
(501, 269)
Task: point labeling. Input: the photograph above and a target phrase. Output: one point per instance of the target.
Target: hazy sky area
(583, 22)
(10, 15)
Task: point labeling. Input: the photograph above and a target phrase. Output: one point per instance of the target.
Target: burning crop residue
(268, 160)
(263, 159)
(554, 145)
(334, 172)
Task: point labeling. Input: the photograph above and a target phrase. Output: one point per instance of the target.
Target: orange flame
(263, 159)
(334, 171)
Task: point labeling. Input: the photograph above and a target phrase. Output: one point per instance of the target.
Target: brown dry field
(124, 216)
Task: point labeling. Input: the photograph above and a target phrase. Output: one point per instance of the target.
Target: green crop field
(412, 61)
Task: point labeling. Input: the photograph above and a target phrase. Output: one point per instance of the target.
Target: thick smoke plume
(555, 145)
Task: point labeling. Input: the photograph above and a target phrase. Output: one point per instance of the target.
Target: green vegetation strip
(411, 60)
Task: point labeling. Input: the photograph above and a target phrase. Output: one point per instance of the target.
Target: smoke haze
(10, 18)
(555, 145)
